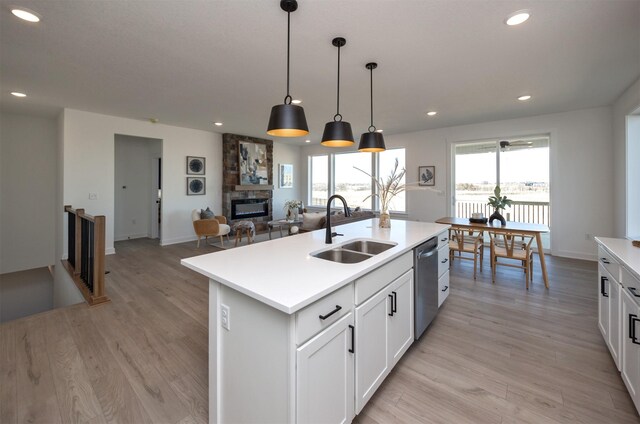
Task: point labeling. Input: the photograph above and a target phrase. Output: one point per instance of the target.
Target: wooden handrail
(86, 258)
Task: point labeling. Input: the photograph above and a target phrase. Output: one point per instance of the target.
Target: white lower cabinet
(325, 375)
(384, 331)
(615, 306)
(631, 345)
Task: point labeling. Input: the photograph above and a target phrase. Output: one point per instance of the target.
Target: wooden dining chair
(514, 247)
(465, 241)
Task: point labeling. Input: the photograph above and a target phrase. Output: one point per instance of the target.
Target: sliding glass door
(519, 165)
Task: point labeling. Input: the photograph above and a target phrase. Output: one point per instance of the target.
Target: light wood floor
(494, 354)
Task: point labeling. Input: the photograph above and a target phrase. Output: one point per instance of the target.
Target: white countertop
(625, 252)
(282, 274)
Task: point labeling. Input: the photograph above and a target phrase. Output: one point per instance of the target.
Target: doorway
(138, 187)
(520, 166)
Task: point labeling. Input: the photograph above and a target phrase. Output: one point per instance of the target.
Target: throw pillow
(207, 214)
(311, 220)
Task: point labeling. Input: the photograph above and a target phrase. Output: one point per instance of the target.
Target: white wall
(633, 176)
(626, 104)
(134, 158)
(581, 171)
(28, 170)
(90, 163)
(284, 153)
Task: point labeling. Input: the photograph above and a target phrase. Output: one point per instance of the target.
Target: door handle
(632, 328)
(602, 292)
(392, 310)
(353, 339)
(323, 317)
(634, 292)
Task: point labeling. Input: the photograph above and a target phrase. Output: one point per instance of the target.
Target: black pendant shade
(337, 133)
(371, 141)
(288, 120)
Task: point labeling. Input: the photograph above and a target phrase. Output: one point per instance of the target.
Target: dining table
(510, 227)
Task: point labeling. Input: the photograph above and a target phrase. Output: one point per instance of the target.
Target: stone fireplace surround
(231, 188)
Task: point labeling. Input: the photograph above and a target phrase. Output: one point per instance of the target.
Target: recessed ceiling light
(307, 141)
(18, 94)
(432, 113)
(296, 101)
(516, 18)
(524, 98)
(25, 14)
(217, 124)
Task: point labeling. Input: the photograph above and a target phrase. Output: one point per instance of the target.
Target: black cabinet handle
(632, 328)
(395, 302)
(353, 339)
(634, 292)
(602, 292)
(605, 260)
(392, 310)
(444, 239)
(444, 261)
(323, 317)
(445, 288)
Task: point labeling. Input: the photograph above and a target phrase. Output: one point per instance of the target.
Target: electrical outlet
(93, 196)
(225, 317)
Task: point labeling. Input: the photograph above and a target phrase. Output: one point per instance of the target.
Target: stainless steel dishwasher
(425, 280)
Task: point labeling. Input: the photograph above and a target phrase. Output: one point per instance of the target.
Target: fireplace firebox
(249, 208)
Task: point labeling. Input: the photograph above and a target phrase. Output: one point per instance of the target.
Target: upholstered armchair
(214, 227)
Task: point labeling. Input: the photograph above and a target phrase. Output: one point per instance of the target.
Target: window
(319, 180)
(353, 185)
(386, 162)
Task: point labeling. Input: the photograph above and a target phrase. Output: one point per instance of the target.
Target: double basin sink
(354, 251)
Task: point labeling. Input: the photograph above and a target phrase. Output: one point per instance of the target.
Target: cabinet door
(603, 304)
(401, 320)
(614, 321)
(372, 354)
(324, 380)
(630, 350)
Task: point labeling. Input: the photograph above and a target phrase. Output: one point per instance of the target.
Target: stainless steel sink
(354, 251)
(342, 256)
(368, 246)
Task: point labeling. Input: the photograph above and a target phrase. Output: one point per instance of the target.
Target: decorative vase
(289, 214)
(496, 215)
(385, 219)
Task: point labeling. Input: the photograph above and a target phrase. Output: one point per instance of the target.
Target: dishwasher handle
(426, 253)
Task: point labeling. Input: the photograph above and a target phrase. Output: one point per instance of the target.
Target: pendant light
(337, 133)
(288, 120)
(371, 141)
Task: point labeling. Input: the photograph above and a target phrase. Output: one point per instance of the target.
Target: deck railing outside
(529, 212)
(86, 255)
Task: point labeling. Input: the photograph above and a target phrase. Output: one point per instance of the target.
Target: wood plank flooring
(495, 353)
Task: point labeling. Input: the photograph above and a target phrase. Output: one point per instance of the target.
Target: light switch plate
(93, 196)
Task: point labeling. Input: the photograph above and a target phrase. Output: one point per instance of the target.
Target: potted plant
(387, 190)
(498, 202)
(291, 209)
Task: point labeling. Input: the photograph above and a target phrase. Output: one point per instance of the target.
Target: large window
(349, 182)
(337, 174)
(319, 180)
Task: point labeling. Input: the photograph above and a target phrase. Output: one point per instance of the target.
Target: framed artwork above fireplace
(253, 163)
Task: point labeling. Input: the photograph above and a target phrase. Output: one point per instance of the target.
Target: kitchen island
(296, 338)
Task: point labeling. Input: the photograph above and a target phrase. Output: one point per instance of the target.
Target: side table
(282, 223)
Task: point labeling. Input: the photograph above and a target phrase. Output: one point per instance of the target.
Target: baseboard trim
(576, 255)
(176, 240)
(131, 236)
(110, 251)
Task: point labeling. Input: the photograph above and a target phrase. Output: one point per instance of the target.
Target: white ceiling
(191, 62)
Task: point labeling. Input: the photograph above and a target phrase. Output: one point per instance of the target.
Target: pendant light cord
(371, 127)
(338, 102)
(288, 97)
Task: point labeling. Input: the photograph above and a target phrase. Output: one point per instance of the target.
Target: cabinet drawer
(631, 284)
(443, 239)
(443, 260)
(309, 321)
(443, 288)
(607, 260)
(374, 281)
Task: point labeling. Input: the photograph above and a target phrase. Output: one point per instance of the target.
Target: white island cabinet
(298, 339)
(619, 307)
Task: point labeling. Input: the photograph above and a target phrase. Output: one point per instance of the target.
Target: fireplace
(249, 208)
